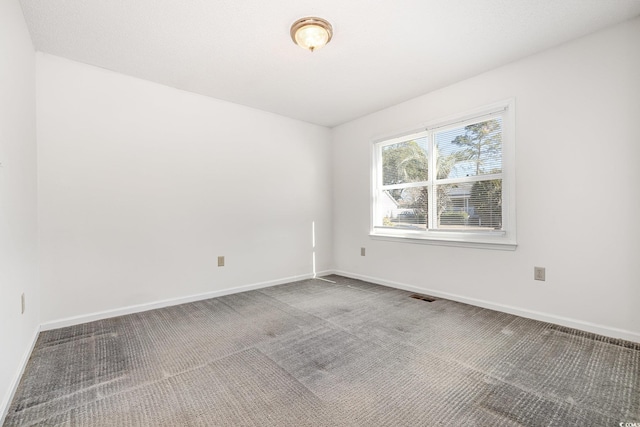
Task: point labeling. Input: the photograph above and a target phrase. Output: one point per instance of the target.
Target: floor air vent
(426, 298)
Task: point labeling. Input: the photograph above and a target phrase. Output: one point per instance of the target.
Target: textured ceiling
(382, 53)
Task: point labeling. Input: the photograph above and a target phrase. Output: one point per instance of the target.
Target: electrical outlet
(539, 273)
(22, 303)
(362, 252)
(220, 261)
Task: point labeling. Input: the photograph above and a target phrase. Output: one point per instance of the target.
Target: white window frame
(504, 239)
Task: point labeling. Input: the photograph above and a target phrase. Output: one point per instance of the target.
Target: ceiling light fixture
(311, 33)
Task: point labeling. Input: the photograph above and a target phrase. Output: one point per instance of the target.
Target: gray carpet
(313, 353)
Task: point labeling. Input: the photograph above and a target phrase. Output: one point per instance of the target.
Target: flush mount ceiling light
(311, 33)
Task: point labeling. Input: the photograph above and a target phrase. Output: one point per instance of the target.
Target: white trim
(13, 386)
(468, 119)
(507, 240)
(430, 238)
(522, 312)
(544, 317)
(470, 114)
(76, 320)
(84, 318)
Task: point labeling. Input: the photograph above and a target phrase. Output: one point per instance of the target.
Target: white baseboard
(4, 406)
(84, 318)
(75, 320)
(522, 312)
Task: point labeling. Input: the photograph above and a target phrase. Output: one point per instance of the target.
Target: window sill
(451, 239)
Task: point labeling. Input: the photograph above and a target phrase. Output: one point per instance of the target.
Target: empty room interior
(410, 213)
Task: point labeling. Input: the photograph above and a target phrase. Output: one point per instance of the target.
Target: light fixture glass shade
(311, 33)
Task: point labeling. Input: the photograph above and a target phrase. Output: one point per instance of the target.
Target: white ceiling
(382, 52)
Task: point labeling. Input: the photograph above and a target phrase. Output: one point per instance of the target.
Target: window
(451, 183)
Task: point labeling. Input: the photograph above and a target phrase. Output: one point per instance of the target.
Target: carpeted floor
(313, 353)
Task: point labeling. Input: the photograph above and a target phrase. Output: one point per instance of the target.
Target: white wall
(18, 212)
(142, 186)
(578, 200)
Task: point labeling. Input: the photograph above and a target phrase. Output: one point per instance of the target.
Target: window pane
(403, 208)
(471, 150)
(470, 205)
(405, 162)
